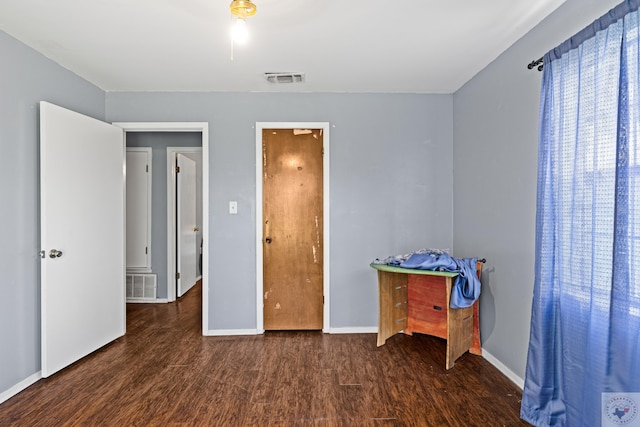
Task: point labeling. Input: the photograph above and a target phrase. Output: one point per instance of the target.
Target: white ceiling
(424, 46)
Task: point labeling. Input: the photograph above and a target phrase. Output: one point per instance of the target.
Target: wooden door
(82, 235)
(186, 219)
(292, 229)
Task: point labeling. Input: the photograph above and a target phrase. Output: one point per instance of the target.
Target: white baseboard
(355, 330)
(503, 368)
(230, 332)
(6, 395)
(147, 301)
(347, 330)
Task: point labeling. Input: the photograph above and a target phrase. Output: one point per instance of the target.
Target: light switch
(233, 207)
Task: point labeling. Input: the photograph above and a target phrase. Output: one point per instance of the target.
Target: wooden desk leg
(459, 329)
(476, 348)
(460, 333)
(392, 304)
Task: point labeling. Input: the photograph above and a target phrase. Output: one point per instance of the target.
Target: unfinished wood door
(292, 229)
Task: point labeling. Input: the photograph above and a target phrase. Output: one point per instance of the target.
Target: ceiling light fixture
(241, 9)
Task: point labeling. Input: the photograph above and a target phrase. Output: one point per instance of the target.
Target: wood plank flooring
(165, 373)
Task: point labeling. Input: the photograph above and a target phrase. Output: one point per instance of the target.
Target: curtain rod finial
(535, 63)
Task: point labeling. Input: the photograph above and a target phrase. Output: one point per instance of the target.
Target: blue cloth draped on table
(466, 286)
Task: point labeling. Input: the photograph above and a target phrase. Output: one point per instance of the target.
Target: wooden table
(418, 301)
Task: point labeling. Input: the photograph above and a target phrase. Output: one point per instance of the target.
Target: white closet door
(139, 209)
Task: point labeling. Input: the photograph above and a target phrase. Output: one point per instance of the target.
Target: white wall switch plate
(233, 207)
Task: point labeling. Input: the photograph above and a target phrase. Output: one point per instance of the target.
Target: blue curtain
(585, 325)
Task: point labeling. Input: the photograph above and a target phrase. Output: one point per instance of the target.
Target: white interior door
(139, 209)
(82, 235)
(187, 228)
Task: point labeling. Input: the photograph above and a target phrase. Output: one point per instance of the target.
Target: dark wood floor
(165, 373)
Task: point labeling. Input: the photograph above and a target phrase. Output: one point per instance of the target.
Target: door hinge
(177, 169)
(177, 275)
(146, 250)
(147, 169)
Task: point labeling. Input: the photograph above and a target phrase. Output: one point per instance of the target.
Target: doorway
(287, 297)
(203, 129)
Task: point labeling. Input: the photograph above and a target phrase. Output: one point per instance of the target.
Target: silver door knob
(54, 253)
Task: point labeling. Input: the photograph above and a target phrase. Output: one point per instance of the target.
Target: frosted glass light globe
(239, 32)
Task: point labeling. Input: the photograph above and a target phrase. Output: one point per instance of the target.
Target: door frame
(203, 128)
(325, 217)
(172, 243)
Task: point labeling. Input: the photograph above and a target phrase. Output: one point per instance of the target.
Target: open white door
(186, 229)
(82, 235)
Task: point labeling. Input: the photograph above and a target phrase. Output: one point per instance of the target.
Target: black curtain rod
(539, 63)
(482, 260)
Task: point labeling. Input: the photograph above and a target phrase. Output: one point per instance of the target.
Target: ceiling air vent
(284, 77)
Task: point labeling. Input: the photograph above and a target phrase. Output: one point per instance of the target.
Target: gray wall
(391, 185)
(495, 172)
(159, 141)
(26, 77)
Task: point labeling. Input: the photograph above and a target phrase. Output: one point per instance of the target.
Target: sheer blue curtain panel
(585, 327)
